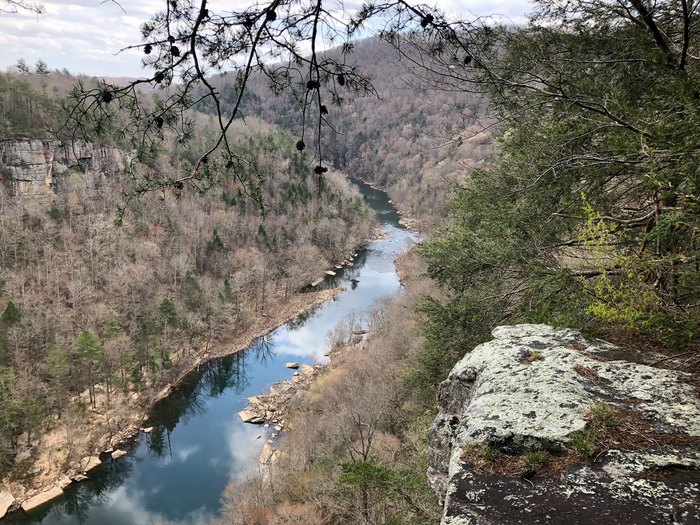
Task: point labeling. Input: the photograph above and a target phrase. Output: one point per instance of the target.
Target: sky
(85, 36)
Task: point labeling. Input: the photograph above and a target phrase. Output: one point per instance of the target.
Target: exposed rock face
(530, 389)
(37, 168)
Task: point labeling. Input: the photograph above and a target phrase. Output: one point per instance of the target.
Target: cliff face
(36, 168)
(543, 426)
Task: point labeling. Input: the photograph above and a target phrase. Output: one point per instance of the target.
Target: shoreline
(404, 219)
(14, 496)
(67, 451)
(274, 406)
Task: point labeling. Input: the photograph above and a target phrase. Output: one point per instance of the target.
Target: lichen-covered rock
(530, 389)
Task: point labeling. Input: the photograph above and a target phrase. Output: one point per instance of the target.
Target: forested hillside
(566, 150)
(408, 136)
(90, 311)
(587, 216)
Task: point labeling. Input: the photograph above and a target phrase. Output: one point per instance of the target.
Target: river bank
(181, 458)
(348, 437)
(69, 451)
(405, 219)
(281, 403)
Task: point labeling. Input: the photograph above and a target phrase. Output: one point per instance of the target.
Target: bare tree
(187, 44)
(14, 6)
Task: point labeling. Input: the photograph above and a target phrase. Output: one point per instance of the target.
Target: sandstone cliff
(543, 426)
(36, 168)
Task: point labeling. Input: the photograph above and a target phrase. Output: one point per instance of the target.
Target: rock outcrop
(543, 426)
(42, 499)
(6, 501)
(36, 168)
(273, 407)
(118, 454)
(90, 463)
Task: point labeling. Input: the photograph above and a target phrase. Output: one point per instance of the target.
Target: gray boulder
(529, 395)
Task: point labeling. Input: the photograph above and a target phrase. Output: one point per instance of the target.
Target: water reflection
(198, 443)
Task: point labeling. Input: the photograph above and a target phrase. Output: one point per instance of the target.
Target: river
(176, 473)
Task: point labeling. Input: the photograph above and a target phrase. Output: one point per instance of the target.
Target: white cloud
(243, 447)
(85, 36)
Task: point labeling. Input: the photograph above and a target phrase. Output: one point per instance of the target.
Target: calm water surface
(178, 472)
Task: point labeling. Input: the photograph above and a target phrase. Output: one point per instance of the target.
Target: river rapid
(176, 473)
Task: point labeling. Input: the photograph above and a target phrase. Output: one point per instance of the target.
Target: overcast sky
(85, 36)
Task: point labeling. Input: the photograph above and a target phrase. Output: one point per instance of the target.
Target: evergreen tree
(22, 66)
(12, 314)
(41, 68)
(59, 370)
(590, 215)
(89, 353)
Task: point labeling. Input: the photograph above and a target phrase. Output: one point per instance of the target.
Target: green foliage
(112, 329)
(57, 364)
(26, 110)
(22, 66)
(168, 313)
(589, 215)
(192, 293)
(41, 68)
(55, 214)
(489, 453)
(215, 244)
(536, 459)
(89, 355)
(12, 314)
(88, 349)
(367, 475)
(584, 442)
(227, 295)
(377, 484)
(604, 415)
(33, 416)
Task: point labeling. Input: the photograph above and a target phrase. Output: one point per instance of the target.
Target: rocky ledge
(274, 407)
(543, 426)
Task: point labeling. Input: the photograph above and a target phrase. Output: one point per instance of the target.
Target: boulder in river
(119, 454)
(90, 463)
(64, 481)
(250, 416)
(544, 426)
(292, 365)
(41, 499)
